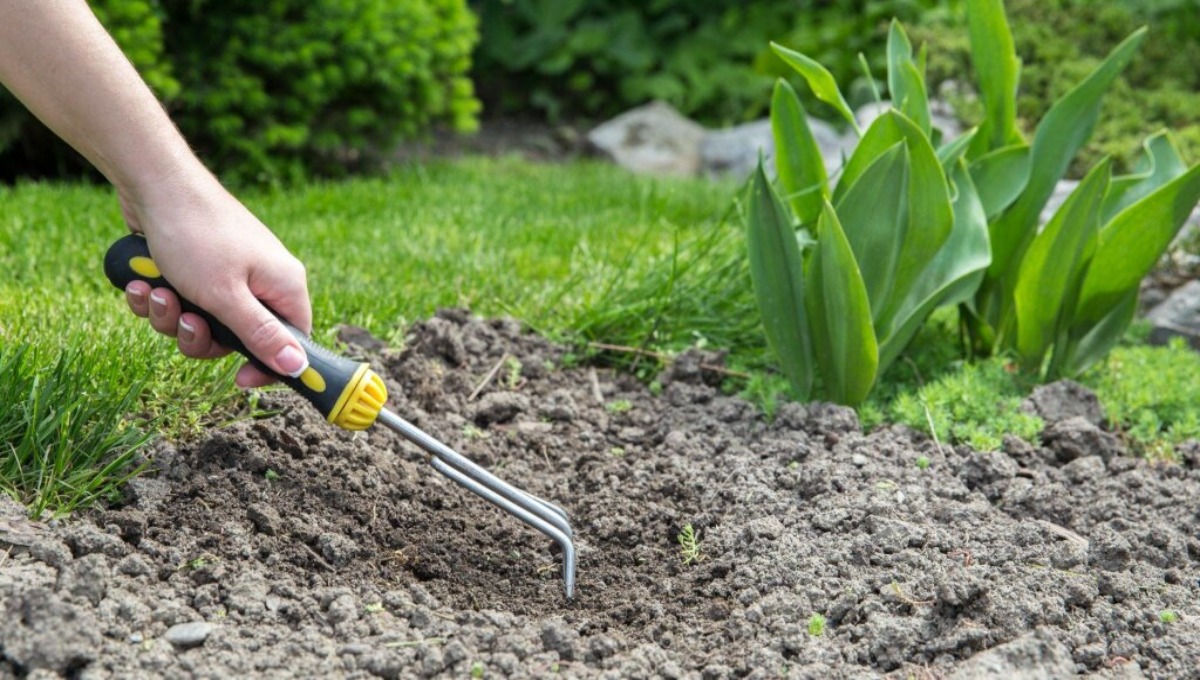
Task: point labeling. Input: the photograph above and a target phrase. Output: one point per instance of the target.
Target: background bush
(708, 58)
(1060, 41)
(281, 90)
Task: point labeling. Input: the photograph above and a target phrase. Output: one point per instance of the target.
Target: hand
(222, 258)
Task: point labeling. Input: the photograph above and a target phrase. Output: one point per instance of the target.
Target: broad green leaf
(1053, 266)
(1001, 176)
(843, 338)
(999, 69)
(797, 156)
(820, 80)
(951, 276)
(1093, 341)
(873, 215)
(777, 270)
(906, 86)
(1066, 127)
(1160, 165)
(1132, 242)
(951, 151)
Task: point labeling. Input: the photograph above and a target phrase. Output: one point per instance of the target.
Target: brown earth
(302, 551)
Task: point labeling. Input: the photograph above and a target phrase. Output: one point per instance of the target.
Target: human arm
(61, 63)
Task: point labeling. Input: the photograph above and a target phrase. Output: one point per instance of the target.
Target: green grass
(551, 245)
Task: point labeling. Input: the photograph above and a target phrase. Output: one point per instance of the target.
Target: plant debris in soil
(286, 548)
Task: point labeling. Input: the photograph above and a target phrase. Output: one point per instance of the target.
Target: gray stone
(265, 518)
(1034, 656)
(188, 635)
(1064, 399)
(1177, 316)
(734, 152)
(651, 139)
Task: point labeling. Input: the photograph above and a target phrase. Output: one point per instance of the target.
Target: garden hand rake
(350, 395)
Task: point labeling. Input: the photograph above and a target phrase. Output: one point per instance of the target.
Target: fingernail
(135, 293)
(292, 361)
(186, 332)
(158, 304)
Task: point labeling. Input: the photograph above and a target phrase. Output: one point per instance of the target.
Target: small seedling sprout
(373, 607)
(477, 669)
(922, 462)
(619, 406)
(816, 625)
(689, 544)
(271, 475)
(1168, 616)
(513, 380)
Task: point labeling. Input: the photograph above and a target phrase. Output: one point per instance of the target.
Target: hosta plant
(846, 275)
(1067, 290)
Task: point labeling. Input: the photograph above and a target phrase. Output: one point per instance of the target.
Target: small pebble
(187, 635)
(858, 460)
(136, 638)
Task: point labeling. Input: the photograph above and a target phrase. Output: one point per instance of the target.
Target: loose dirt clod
(356, 560)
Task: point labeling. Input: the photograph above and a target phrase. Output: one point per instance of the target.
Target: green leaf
(1089, 343)
(951, 151)
(999, 69)
(873, 215)
(843, 337)
(1131, 244)
(1066, 127)
(797, 156)
(1050, 273)
(1160, 165)
(820, 80)
(777, 270)
(1001, 176)
(950, 277)
(906, 86)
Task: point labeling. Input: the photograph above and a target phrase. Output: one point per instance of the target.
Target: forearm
(61, 63)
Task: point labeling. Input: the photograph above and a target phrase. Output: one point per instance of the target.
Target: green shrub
(598, 57)
(28, 147)
(283, 89)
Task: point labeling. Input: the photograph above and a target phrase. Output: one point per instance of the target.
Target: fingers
(161, 306)
(195, 338)
(263, 334)
(248, 376)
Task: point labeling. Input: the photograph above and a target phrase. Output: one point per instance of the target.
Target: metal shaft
(542, 515)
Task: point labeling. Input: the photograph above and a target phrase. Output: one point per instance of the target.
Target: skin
(61, 63)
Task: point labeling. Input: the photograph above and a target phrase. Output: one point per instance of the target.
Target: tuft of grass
(689, 544)
(816, 625)
(1151, 394)
(66, 438)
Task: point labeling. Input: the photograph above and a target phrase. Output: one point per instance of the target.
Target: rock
(1064, 399)
(824, 417)
(734, 152)
(188, 635)
(1177, 316)
(1034, 656)
(499, 407)
(651, 139)
(86, 577)
(41, 631)
(1076, 437)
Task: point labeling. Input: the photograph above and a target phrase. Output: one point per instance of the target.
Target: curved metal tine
(522, 513)
(452, 458)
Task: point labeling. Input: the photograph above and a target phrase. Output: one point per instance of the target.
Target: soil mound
(282, 547)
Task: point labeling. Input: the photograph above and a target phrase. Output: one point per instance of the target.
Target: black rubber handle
(326, 382)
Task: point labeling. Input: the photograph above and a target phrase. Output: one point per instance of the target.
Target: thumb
(264, 335)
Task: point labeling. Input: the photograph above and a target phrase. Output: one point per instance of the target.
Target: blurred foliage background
(275, 92)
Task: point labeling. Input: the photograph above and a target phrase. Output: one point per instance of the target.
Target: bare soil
(303, 551)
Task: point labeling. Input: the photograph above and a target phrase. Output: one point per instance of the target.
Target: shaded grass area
(546, 244)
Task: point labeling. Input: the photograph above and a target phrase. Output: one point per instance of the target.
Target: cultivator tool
(352, 396)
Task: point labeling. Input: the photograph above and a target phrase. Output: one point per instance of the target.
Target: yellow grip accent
(144, 266)
(360, 403)
(313, 380)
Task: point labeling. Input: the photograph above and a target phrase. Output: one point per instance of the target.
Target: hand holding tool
(352, 396)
